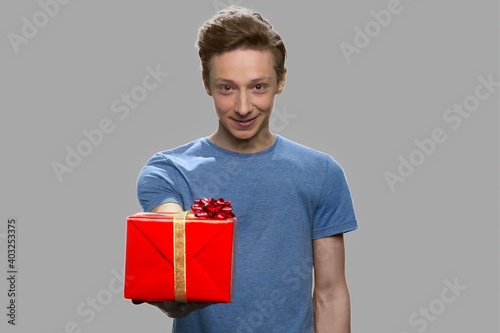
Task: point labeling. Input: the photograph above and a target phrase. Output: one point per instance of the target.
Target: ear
(207, 89)
(281, 84)
(206, 85)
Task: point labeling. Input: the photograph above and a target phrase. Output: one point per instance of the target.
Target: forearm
(332, 311)
(332, 302)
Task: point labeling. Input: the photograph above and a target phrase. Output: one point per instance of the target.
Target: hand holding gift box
(182, 257)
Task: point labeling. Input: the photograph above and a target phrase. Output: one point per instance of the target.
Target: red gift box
(178, 256)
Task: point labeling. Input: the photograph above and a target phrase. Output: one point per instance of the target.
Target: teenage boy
(292, 202)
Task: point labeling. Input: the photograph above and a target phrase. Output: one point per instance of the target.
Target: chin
(243, 137)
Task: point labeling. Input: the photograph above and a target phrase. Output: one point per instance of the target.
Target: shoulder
(293, 147)
(306, 155)
(181, 153)
(169, 164)
(187, 149)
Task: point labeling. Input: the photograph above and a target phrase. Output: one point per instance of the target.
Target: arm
(170, 207)
(171, 308)
(332, 304)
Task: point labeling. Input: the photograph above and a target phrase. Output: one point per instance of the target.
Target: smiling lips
(244, 123)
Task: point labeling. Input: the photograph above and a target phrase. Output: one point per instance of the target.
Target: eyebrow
(263, 78)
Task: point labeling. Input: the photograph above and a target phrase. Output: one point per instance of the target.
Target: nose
(243, 104)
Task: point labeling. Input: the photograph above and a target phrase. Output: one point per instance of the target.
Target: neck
(255, 144)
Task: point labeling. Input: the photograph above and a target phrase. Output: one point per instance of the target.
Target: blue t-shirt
(284, 197)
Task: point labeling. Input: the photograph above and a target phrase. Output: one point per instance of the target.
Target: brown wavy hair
(237, 27)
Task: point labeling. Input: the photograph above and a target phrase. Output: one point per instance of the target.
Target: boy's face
(243, 86)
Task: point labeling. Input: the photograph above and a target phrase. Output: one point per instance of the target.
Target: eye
(260, 87)
(225, 88)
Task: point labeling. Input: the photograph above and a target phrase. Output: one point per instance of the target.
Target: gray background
(441, 223)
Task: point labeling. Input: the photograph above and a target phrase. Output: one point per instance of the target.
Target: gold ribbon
(180, 256)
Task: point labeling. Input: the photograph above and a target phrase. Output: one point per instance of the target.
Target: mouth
(244, 123)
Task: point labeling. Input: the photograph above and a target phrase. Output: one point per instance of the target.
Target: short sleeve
(157, 182)
(335, 211)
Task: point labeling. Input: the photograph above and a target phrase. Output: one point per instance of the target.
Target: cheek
(264, 103)
(223, 105)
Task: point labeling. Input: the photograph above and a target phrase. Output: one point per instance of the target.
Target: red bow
(211, 208)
